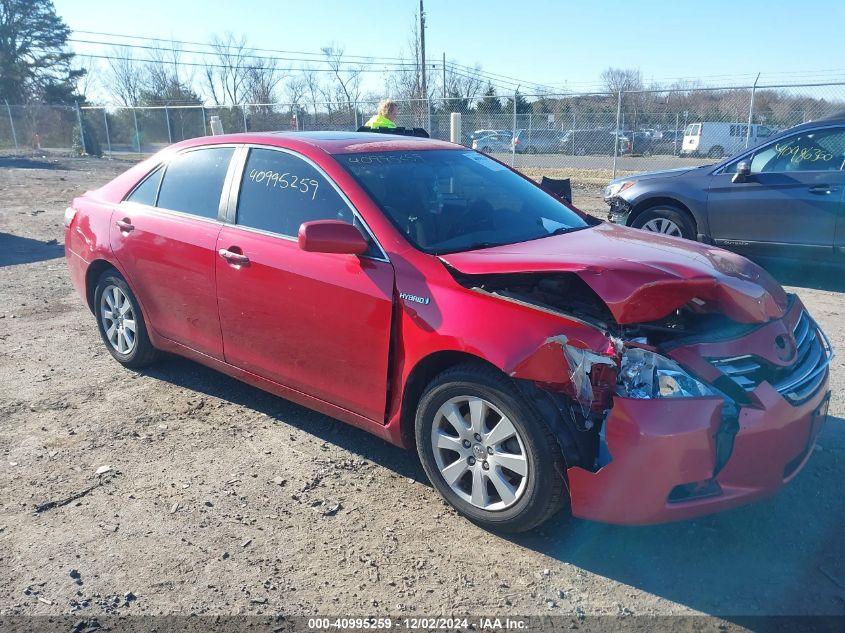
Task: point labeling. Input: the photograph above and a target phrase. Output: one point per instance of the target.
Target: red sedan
(536, 358)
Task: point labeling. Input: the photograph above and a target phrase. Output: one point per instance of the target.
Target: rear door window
(193, 181)
(279, 191)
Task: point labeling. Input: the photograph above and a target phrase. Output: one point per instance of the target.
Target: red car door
(315, 322)
(165, 236)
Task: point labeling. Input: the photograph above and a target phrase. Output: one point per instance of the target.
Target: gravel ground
(217, 498)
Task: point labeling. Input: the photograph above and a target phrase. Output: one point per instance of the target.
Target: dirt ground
(222, 499)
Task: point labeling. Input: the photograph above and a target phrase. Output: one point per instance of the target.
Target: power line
(224, 45)
(245, 66)
(217, 54)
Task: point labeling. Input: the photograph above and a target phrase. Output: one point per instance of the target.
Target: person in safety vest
(387, 111)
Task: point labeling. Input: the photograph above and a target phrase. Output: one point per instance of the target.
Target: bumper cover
(657, 445)
(619, 211)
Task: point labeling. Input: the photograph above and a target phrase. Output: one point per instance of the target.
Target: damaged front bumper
(664, 453)
(676, 458)
(619, 211)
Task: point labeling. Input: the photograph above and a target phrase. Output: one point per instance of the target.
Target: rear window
(693, 129)
(445, 201)
(193, 181)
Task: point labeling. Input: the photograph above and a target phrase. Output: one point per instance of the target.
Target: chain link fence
(632, 131)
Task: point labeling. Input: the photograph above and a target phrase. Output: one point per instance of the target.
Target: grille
(795, 383)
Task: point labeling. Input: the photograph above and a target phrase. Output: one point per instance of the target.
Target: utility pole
(751, 112)
(444, 76)
(422, 51)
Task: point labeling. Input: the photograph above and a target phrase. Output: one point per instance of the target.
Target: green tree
(34, 60)
(522, 106)
(490, 103)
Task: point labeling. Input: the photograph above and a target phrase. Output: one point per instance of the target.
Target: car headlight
(615, 188)
(646, 375)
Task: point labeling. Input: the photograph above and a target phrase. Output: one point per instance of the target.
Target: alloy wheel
(479, 453)
(118, 319)
(663, 225)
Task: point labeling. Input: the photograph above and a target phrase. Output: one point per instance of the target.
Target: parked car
(715, 139)
(536, 141)
(477, 134)
(583, 142)
(492, 143)
(669, 142)
(782, 199)
(641, 144)
(535, 357)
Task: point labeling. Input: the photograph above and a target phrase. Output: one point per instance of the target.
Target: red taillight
(516, 141)
(700, 129)
(70, 212)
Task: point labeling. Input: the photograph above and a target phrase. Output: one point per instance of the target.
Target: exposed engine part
(564, 293)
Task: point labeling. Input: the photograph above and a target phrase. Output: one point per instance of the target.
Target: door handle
(823, 190)
(233, 257)
(125, 225)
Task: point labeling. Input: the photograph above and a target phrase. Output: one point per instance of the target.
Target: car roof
(332, 142)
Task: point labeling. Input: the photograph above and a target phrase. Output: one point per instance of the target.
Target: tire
(116, 305)
(661, 219)
(716, 152)
(532, 149)
(537, 495)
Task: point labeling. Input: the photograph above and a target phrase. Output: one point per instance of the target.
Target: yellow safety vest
(377, 121)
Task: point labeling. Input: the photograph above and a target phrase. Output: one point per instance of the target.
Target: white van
(715, 140)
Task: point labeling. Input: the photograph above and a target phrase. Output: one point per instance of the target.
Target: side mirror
(331, 236)
(743, 171)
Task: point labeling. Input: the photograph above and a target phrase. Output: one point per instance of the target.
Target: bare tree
(86, 76)
(262, 78)
(125, 77)
(227, 77)
(162, 73)
(347, 75)
(312, 87)
(406, 82)
(462, 89)
(295, 90)
(624, 79)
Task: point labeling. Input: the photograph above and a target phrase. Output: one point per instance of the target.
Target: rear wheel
(487, 452)
(716, 151)
(121, 322)
(667, 220)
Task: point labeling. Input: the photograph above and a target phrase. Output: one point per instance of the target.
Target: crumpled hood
(662, 173)
(641, 276)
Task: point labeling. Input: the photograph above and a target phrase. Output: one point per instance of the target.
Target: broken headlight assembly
(645, 375)
(616, 188)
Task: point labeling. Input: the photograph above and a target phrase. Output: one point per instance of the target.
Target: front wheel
(667, 220)
(121, 322)
(486, 451)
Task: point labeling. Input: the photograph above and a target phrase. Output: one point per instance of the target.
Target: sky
(562, 44)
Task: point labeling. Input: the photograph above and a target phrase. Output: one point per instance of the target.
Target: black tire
(716, 152)
(668, 212)
(142, 352)
(545, 492)
(532, 149)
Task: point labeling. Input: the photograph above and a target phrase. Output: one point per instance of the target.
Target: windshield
(445, 201)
